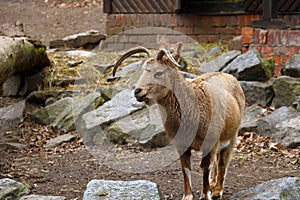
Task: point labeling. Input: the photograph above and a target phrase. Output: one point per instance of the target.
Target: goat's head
(159, 74)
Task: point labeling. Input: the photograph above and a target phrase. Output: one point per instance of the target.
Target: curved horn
(163, 52)
(128, 54)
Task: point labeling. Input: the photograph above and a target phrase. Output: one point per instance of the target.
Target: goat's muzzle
(139, 95)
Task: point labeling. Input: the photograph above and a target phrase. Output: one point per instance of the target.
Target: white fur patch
(224, 144)
(189, 176)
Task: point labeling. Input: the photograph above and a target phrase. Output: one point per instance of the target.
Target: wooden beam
(269, 9)
(107, 6)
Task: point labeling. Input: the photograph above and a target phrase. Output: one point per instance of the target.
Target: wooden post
(107, 6)
(177, 6)
(269, 9)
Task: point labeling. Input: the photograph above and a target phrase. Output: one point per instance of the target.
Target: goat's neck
(180, 105)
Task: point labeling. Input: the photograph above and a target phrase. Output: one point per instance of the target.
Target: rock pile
(112, 114)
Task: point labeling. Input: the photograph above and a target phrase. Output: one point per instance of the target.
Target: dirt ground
(67, 169)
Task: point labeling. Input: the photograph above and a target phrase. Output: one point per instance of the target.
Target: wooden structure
(206, 21)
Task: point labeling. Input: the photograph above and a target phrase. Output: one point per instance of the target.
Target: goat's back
(226, 100)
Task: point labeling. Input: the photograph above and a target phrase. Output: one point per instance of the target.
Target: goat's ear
(177, 52)
(160, 54)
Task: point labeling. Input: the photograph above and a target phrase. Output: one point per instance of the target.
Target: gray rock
(127, 71)
(40, 97)
(249, 67)
(121, 105)
(215, 51)
(292, 67)
(87, 39)
(287, 90)
(142, 125)
(11, 86)
(279, 189)
(287, 132)
(40, 197)
(49, 114)
(235, 43)
(70, 118)
(121, 190)
(281, 126)
(10, 189)
(249, 121)
(55, 142)
(81, 53)
(258, 92)
(219, 63)
(11, 115)
(32, 83)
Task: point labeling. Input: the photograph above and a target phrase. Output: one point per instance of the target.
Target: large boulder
(44, 97)
(121, 190)
(89, 39)
(20, 55)
(258, 92)
(249, 121)
(11, 115)
(144, 126)
(292, 67)
(121, 105)
(250, 67)
(282, 126)
(219, 63)
(11, 189)
(287, 90)
(65, 114)
(279, 189)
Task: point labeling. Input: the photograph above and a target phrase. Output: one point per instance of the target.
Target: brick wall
(198, 27)
(280, 45)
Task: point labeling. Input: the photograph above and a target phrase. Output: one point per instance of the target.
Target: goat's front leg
(185, 160)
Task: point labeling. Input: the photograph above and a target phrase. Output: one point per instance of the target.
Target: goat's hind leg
(185, 160)
(222, 162)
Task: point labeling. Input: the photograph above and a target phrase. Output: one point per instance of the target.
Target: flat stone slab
(121, 190)
(40, 197)
(58, 140)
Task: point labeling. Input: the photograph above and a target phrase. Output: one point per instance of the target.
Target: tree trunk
(20, 55)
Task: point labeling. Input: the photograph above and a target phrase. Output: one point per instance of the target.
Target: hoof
(216, 198)
(187, 197)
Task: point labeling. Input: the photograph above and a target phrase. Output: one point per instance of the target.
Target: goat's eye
(158, 74)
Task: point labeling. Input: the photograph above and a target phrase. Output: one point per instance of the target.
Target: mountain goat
(202, 115)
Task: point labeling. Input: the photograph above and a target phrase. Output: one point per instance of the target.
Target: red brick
(293, 50)
(184, 30)
(294, 37)
(225, 31)
(277, 70)
(118, 20)
(270, 37)
(246, 40)
(256, 36)
(242, 20)
(277, 60)
(280, 50)
(284, 39)
(277, 36)
(217, 21)
(284, 59)
(174, 20)
(203, 31)
(248, 31)
(267, 50)
(263, 36)
(248, 20)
